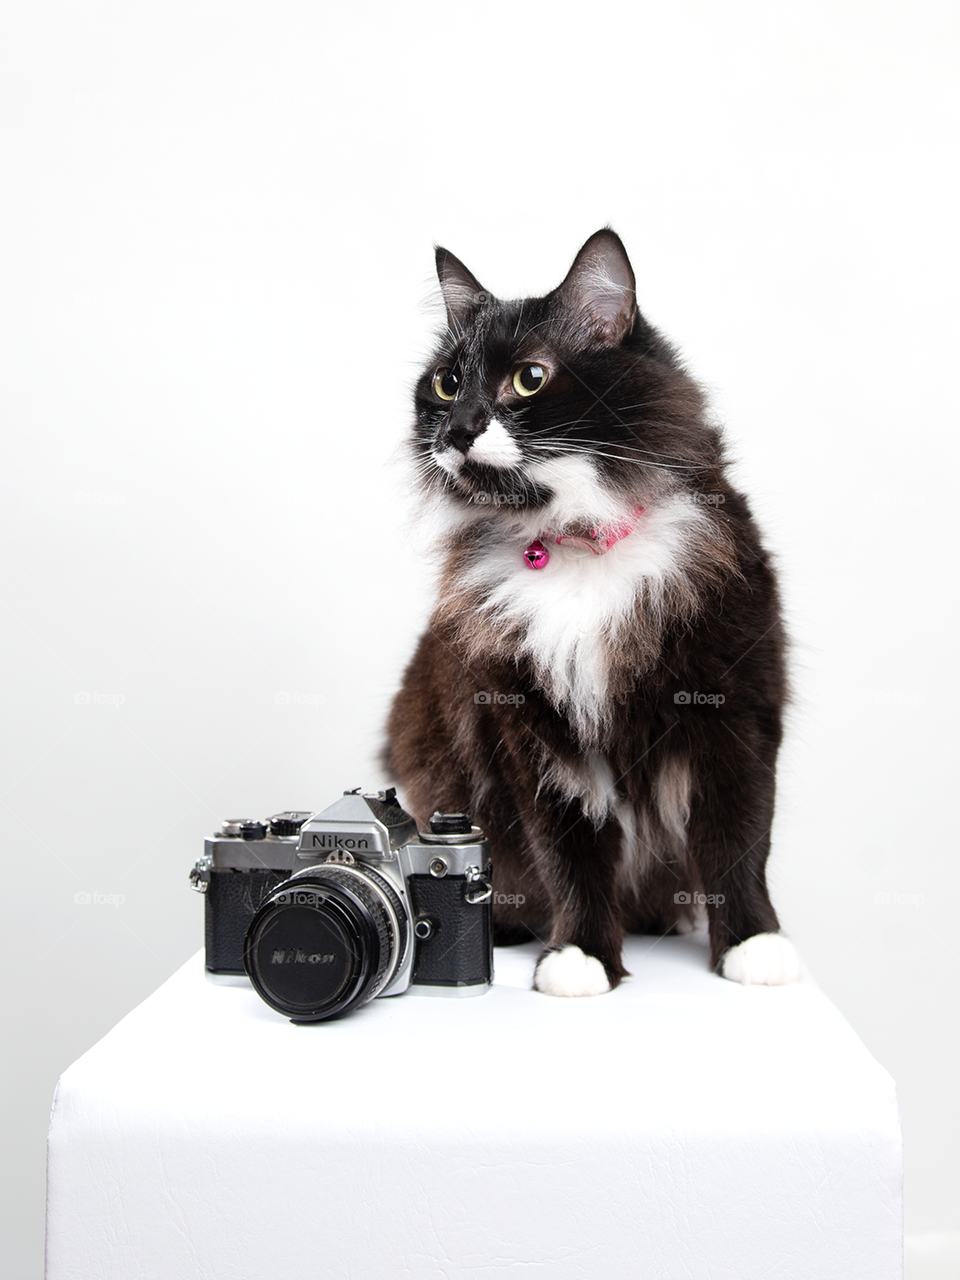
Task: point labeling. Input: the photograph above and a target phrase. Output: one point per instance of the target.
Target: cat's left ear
(462, 292)
(601, 289)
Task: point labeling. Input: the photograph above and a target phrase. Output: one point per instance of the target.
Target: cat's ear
(601, 289)
(462, 292)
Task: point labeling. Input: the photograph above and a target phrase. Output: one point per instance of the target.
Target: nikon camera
(325, 911)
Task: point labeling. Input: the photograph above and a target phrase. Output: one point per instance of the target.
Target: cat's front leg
(729, 842)
(578, 867)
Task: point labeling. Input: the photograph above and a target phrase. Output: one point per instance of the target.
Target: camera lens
(325, 942)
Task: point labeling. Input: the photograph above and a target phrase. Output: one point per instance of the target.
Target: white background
(216, 244)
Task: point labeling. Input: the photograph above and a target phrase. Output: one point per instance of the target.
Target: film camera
(325, 911)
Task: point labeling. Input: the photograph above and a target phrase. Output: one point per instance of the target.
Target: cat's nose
(462, 428)
(460, 437)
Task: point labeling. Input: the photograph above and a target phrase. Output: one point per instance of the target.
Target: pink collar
(598, 540)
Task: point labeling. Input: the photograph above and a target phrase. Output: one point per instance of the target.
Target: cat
(602, 682)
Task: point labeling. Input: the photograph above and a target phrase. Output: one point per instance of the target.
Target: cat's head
(571, 401)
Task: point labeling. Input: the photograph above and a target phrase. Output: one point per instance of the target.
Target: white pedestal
(682, 1127)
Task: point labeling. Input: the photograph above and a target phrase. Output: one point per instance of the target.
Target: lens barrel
(325, 942)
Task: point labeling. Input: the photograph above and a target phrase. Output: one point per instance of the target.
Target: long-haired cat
(602, 680)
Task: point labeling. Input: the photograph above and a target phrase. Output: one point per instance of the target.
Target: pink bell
(536, 555)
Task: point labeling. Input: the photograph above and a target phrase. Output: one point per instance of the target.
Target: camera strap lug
(200, 873)
(479, 887)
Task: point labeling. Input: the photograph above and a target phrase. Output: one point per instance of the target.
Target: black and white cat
(602, 680)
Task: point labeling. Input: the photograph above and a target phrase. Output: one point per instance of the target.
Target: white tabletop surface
(681, 1121)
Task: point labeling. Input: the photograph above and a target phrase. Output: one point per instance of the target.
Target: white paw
(766, 959)
(570, 972)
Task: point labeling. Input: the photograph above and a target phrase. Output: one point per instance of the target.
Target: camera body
(324, 911)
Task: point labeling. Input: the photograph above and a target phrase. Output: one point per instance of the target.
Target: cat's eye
(446, 384)
(528, 379)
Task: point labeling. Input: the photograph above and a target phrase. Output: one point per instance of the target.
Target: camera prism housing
(324, 912)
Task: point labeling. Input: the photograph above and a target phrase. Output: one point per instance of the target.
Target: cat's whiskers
(641, 404)
(429, 471)
(560, 449)
(586, 440)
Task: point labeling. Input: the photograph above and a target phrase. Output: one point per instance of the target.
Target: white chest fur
(572, 613)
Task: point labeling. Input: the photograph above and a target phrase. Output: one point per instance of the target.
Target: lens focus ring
(367, 884)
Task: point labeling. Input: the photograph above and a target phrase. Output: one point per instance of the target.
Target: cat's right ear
(601, 290)
(462, 292)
